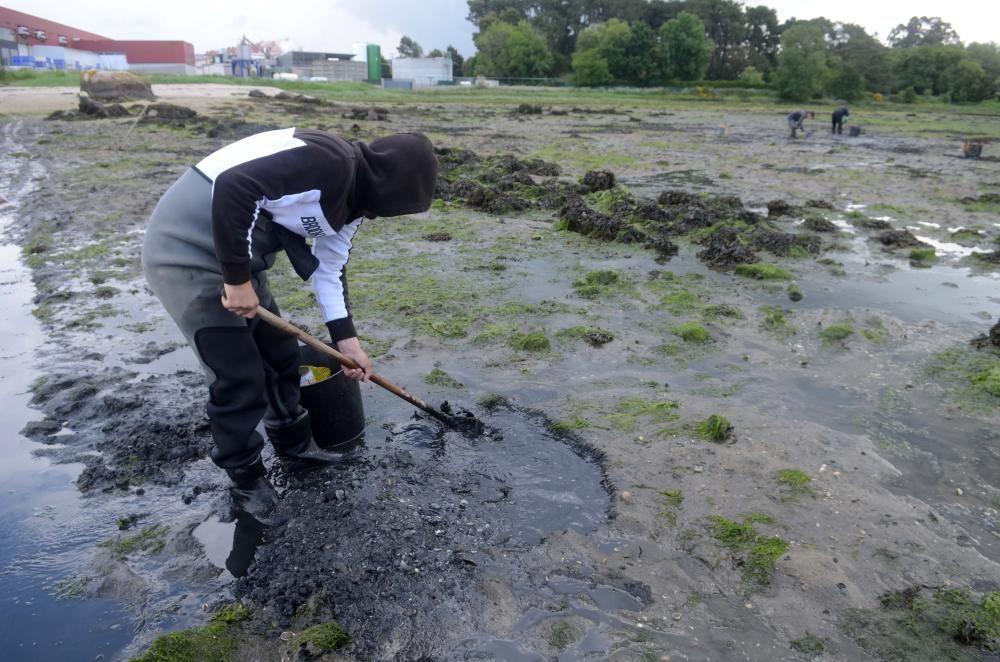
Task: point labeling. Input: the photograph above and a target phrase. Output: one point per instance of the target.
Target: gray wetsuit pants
(251, 368)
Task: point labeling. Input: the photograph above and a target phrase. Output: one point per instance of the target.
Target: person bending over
(208, 246)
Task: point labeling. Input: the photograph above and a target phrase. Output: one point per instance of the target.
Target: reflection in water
(247, 537)
(232, 545)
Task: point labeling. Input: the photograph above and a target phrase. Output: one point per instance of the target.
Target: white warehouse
(423, 71)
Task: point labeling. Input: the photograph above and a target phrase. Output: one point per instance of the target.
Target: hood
(396, 175)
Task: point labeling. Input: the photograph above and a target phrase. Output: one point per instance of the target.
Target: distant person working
(839, 117)
(795, 119)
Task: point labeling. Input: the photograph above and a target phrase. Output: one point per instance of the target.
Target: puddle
(44, 523)
(652, 185)
(948, 248)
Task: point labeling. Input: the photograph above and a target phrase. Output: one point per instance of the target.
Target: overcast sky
(335, 25)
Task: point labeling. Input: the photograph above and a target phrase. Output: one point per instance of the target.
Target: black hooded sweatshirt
(286, 186)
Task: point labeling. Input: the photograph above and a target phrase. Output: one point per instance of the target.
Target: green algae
(563, 633)
(836, 332)
(493, 401)
(809, 645)
(672, 498)
(218, 641)
(796, 483)
(762, 271)
(592, 335)
(150, 540)
(606, 201)
(923, 256)
(568, 425)
(692, 332)
(532, 341)
(715, 428)
(946, 624)
(491, 334)
(439, 377)
(629, 411)
(793, 478)
(603, 284)
(723, 311)
(775, 321)
(987, 381)
(325, 637)
(760, 553)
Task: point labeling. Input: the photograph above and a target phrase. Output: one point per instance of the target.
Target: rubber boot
(253, 494)
(295, 442)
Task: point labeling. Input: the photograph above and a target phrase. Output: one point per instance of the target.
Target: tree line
(661, 42)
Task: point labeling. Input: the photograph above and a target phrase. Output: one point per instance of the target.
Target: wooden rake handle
(342, 359)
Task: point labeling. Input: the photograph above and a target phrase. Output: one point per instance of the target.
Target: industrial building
(328, 66)
(422, 71)
(32, 42)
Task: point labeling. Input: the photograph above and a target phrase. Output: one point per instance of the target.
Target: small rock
(698, 468)
(958, 491)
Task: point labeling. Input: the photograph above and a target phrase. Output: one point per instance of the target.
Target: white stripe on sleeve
(333, 252)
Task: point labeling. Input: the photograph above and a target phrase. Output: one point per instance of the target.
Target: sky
(336, 25)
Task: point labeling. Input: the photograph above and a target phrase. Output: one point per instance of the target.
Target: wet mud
(463, 507)
(613, 527)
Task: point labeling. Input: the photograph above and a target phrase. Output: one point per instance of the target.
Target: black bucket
(334, 404)
(855, 131)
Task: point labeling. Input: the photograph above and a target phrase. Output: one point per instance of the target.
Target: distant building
(32, 42)
(149, 57)
(423, 71)
(329, 66)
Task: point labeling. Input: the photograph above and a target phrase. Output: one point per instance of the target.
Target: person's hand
(351, 347)
(240, 299)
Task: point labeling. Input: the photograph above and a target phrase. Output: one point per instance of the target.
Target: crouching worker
(796, 118)
(207, 249)
(839, 117)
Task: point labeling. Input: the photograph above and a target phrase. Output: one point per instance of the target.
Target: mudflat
(735, 409)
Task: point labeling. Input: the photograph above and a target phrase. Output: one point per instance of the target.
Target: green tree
(437, 52)
(923, 31)
(513, 51)
(969, 82)
(658, 12)
(611, 40)
(987, 56)
(801, 63)
(751, 76)
(642, 55)
(763, 38)
(409, 48)
(469, 66)
(725, 25)
(926, 69)
(686, 49)
(590, 69)
(860, 51)
(456, 59)
(846, 82)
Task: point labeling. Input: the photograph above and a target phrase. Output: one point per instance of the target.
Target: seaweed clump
(943, 625)
(494, 184)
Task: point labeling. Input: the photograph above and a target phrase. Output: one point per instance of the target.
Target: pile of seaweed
(597, 206)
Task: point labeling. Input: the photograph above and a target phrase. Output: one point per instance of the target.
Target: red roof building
(50, 30)
(27, 40)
